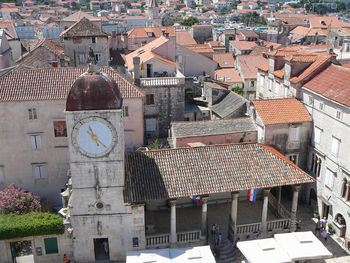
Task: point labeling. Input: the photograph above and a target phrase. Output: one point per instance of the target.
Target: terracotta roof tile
(228, 75)
(277, 111)
(249, 65)
(84, 28)
(264, 67)
(225, 60)
(184, 172)
(279, 73)
(332, 83)
(243, 45)
(52, 84)
(184, 38)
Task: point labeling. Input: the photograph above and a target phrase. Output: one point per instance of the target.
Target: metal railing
(189, 236)
(162, 81)
(157, 240)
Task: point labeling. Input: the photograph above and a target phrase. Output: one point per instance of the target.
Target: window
(286, 91)
(343, 188)
(293, 158)
(35, 141)
(150, 125)
(321, 106)
(252, 83)
(311, 100)
(93, 40)
(338, 115)
(150, 99)
(60, 128)
(335, 146)
(316, 163)
(32, 114)
(51, 246)
(98, 57)
(1, 173)
(81, 58)
(270, 84)
(317, 135)
(40, 171)
(293, 134)
(329, 180)
(125, 111)
(277, 87)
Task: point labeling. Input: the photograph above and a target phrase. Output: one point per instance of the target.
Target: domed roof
(93, 91)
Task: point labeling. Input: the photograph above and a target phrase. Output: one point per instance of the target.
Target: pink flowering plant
(14, 200)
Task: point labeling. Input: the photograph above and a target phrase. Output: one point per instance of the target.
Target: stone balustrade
(162, 81)
(189, 236)
(155, 241)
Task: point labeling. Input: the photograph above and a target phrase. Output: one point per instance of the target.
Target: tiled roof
(312, 70)
(279, 73)
(332, 83)
(264, 67)
(278, 111)
(249, 65)
(249, 33)
(84, 28)
(53, 84)
(184, 38)
(228, 75)
(79, 15)
(184, 172)
(228, 107)
(225, 60)
(184, 129)
(243, 45)
(306, 31)
(142, 32)
(327, 22)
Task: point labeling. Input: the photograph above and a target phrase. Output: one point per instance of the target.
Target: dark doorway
(101, 247)
(22, 251)
(325, 210)
(313, 198)
(149, 70)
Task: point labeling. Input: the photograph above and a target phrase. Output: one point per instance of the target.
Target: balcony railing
(190, 236)
(162, 81)
(157, 241)
(162, 240)
(280, 224)
(249, 228)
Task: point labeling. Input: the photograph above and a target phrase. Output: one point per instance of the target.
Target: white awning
(283, 248)
(201, 254)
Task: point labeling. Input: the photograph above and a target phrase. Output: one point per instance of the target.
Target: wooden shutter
(51, 246)
(37, 172)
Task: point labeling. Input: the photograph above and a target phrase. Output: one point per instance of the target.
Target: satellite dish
(334, 5)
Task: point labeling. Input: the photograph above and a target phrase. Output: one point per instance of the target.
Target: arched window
(344, 187)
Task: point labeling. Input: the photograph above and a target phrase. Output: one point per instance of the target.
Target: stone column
(293, 214)
(234, 207)
(173, 236)
(204, 222)
(264, 212)
(347, 192)
(279, 192)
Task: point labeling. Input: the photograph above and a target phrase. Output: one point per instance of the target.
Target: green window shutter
(51, 246)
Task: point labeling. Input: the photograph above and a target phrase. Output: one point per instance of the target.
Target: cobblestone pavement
(334, 244)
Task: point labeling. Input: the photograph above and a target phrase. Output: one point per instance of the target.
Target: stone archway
(340, 225)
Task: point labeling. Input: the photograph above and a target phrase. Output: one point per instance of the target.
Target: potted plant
(330, 228)
(316, 213)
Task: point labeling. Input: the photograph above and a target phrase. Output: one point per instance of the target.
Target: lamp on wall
(70, 230)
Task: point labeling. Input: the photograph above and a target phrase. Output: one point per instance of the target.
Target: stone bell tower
(154, 19)
(101, 222)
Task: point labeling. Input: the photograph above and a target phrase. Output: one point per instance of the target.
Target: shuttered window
(35, 141)
(51, 246)
(329, 180)
(293, 134)
(40, 171)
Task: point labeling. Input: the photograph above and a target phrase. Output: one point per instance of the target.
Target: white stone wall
(330, 126)
(17, 156)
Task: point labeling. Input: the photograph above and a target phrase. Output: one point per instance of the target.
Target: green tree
(238, 90)
(189, 21)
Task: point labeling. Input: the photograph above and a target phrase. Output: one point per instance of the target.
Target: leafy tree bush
(31, 224)
(189, 21)
(15, 200)
(253, 18)
(156, 145)
(238, 90)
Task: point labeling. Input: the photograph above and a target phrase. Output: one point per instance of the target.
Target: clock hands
(95, 138)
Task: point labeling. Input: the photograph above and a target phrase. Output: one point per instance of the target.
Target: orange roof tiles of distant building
(243, 45)
(333, 83)
(306, 31)
(184, 38)
(279, 111)
(146, 32)
(200, 48)
(249, 65)
(216, 44)
(225, 60)
(327, 22)
(228, 75)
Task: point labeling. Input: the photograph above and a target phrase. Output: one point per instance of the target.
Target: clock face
(94, 136)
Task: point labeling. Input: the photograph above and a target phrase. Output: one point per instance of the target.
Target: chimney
(270, 48)
(316, 38)
(62, 64)
(163, 32)
(136, 62)
(166, 34)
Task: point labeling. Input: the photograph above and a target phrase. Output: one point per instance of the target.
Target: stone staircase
(227, 253)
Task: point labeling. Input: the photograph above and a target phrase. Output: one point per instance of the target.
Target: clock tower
(101, 223)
